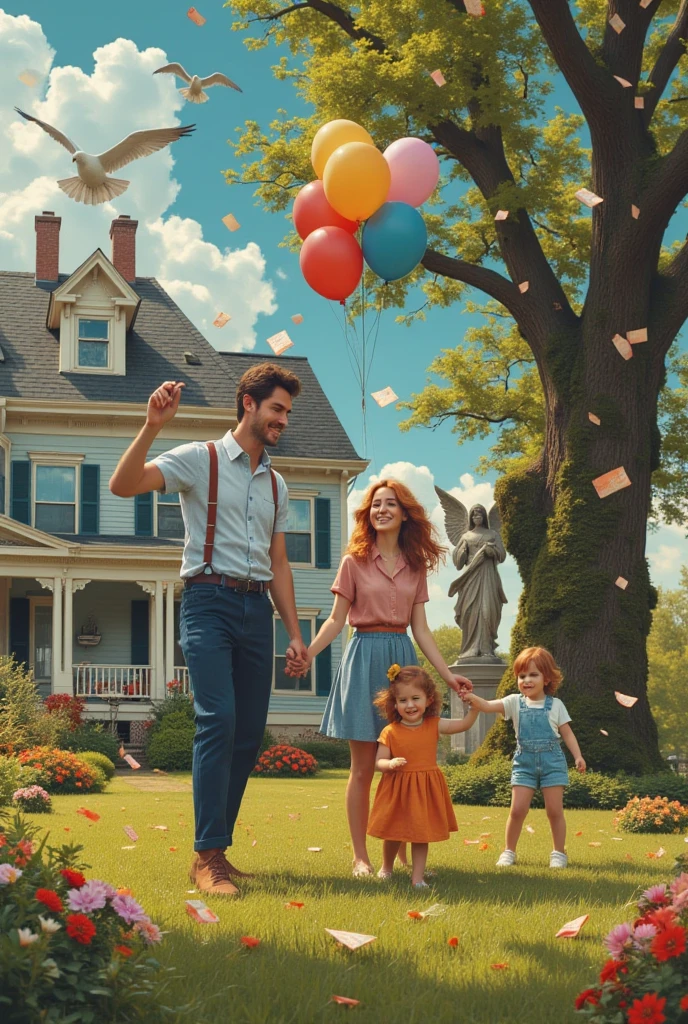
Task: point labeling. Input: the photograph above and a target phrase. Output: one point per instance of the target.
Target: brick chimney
(47, 246)
(123, 235)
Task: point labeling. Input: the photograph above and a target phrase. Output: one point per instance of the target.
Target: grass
(409, 975)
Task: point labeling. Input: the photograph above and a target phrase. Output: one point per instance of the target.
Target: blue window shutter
(19, 629)
(323, 666)
(322, 533)
(140, 651)
(90, 499)
(21, 492)
(143, 515)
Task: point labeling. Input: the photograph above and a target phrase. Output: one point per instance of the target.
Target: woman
(382, 587)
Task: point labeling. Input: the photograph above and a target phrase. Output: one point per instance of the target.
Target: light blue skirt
(349, 714)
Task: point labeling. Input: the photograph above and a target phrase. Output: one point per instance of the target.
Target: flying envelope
(197, 18)
(572, 928)
(352, 940)
(623, 81)
(622, 346)
(29, 78)
(132, 762)
(438, 78)
(625, 700)
(609, 483)
(621, 583)
(635, 211)
(315, 849)
(345, 1001)
(297, 318)
(604, 732)
(588, 198)
(280, 342)
(617, 24)
(91, 815)
(594, 419)
(231, 222)
(636, 337)
(221, 319)
(384, 397)
(523, 287)
(200, 912)
(129, 831)
(639, 103)
(474, 8)
(501, 214)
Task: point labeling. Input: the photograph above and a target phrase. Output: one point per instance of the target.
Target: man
(226, 613)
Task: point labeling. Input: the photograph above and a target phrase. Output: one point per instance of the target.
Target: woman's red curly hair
(417, 537)
(386, 700)
(545, 663)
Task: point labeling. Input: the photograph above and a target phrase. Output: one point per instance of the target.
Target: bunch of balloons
(356, 184)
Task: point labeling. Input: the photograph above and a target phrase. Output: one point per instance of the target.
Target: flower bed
(646, 979)
(70, 948)
(285, 760)
(652, 815)
(33, 800)
(72, 708)
(59, 771)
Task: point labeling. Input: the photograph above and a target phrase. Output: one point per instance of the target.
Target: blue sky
(184, 195)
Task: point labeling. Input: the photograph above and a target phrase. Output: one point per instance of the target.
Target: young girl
(540, 722)
(382, 587)
(412, 802)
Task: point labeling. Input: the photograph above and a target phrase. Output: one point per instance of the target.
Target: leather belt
(241, 586)
(380, 629)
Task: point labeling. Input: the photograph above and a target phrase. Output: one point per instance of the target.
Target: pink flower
(8, 874)
(680, 884)
(128, 909)
(91, 896)
(618, 940)
(680, 902)
(642, 934)
(656, 894)
(150, 933)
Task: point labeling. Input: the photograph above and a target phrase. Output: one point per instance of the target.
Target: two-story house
(89, 583)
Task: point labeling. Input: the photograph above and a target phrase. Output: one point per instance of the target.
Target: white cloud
(420, 480)
(95, 110)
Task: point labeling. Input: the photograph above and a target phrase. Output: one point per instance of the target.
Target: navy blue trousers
(227, 641)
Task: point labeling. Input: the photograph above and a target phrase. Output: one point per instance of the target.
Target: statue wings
(455, 515)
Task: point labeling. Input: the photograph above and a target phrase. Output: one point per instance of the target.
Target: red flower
(258, 768)
(662, 918)
(50, 899)
(304, 771)
(294, 767)
(683, 1005)
(81, 928)
(278, 764)
(590, 995)
(124, 950)
(3, 840)
(669, 943)
(609, 971)
(249, 941)
(647, 1010)
(453, 941)
(73, 878)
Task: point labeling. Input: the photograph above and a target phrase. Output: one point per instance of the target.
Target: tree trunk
(571, 545)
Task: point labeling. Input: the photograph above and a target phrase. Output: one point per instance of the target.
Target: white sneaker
(507, 859)
(558, 859)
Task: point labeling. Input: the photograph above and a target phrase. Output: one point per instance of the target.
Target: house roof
(314, 430)
(155, 350)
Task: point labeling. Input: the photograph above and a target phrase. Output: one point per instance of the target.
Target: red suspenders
(212, 506)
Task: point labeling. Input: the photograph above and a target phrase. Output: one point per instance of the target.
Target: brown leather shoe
(211, 875)
(234, 872)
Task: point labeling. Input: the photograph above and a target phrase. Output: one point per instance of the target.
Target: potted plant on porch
(90, 635)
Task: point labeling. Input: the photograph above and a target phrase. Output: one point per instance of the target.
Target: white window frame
(81, 314)
(310, 497)
(155, 514)
(5, 453)
(311, 614)
(57, 459)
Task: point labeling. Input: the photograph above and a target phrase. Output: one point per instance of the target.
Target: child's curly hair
(386, 700)
(545, 663)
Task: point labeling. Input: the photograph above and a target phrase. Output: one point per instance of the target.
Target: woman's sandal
(384, 875)
(362, 870)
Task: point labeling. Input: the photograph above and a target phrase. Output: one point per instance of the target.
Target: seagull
(195, 94)
(92, 186)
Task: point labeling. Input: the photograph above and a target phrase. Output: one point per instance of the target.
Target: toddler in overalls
(540, 721)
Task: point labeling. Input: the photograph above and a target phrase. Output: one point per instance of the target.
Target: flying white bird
(92, 186)
(195, 94)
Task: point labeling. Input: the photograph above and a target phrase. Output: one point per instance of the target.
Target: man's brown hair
(260, 381)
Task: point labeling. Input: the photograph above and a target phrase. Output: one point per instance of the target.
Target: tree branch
(587, 80)
(673, 300)
(333, 13)
(671, 53)
(669, 187)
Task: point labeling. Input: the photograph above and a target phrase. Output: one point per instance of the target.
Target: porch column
(159, 664)
(169, 632)
(5, 584)
(59, 683)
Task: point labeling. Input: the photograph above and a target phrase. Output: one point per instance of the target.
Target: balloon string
(350, 352)
(364, 377)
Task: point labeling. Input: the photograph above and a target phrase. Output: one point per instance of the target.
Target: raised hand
(397, 762)
(163, 403)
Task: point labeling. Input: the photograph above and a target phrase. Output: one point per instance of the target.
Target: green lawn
(409, 975)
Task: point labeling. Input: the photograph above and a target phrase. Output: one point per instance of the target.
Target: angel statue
(479, 547)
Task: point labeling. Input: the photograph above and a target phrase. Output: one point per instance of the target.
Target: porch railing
(181, 675)
(125, 681)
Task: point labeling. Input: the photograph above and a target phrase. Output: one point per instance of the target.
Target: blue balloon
(394, 240)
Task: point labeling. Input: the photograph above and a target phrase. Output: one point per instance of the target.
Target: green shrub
(92, 737)
(170, 747)
(24, 721)
(100, 761)
(9, 779)
(174, 702)
(658, 815)
(669, 784)
(328, 753)
(469, 784)
(456, 757)
(60, 771)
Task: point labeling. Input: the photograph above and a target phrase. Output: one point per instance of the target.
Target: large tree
(591, 275)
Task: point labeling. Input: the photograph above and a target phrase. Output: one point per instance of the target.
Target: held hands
(163, 403)
(298, 658)
(462, 686)
(580, 764)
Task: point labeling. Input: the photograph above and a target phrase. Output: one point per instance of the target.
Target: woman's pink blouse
(376, 598)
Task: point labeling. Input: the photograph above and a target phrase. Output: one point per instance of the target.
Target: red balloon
(331, 262)
(312, 211)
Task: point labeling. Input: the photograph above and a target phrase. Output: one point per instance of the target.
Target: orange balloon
(356, 180)
(333, 135)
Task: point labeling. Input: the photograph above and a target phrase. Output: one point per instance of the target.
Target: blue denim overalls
(539, 760)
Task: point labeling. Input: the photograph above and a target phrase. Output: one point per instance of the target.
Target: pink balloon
(415, 171)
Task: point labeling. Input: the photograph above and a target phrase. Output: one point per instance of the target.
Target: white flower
(26, 936)
(9, 874)
(51, 968)
(48, 925)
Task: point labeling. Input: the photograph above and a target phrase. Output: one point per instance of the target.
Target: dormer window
(94, 343)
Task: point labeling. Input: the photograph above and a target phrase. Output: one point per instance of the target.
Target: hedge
(92, 737)
(328, 753)
(100, 761)
(170, 747)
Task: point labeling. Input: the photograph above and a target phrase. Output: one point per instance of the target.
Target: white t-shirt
(558, 715)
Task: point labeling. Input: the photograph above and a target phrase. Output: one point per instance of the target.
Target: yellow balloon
(356, 180)
(333, 135)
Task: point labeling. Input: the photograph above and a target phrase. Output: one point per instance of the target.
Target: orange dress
(412, 804)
